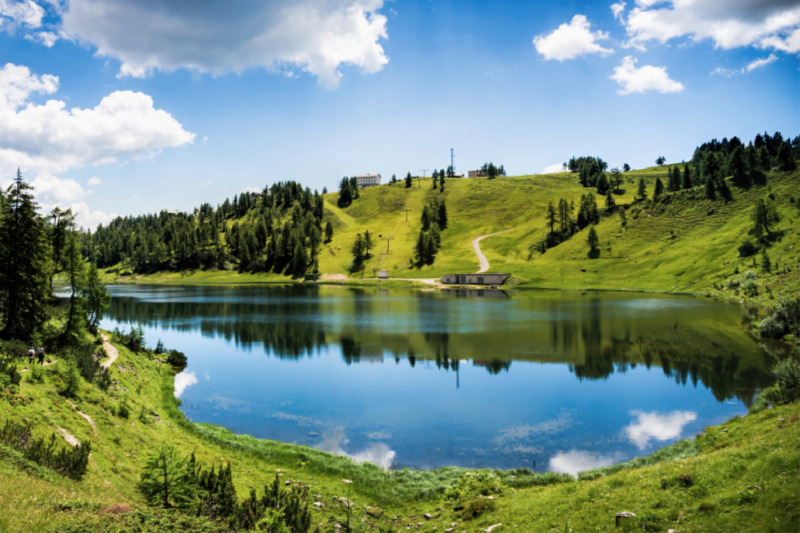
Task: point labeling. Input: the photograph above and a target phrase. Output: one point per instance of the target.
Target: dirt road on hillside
(477, 247)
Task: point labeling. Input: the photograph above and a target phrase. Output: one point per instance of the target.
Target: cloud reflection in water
(183, 381)
(575, 461)
(657, 426)
(378, 453)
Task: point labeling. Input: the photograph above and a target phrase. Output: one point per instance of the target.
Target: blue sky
(157, 104)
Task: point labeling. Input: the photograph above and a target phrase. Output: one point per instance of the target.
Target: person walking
(31, 355)
(41, 355)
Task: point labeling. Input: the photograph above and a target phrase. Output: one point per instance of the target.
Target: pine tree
(711, 193)
(299, 261)
(408, 180)
(551, 216)
(741, 178)
(328, 231)
(766, 264)
(602, 184)
(441, 183)
(368, 243)
(659, 189)
(710, 166)
(592, 240)
(435, 180)
(96, 296)
(24, 258)
(442, 219)
(426, 218)
(760, 219)
(610, 204)
(786, 160)
(764, 159)
(167, 479)
(641, 193)
(420, 247)
(687, 177)
(430, 249)
(358, 250)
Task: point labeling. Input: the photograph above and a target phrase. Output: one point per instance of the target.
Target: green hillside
(681, 243)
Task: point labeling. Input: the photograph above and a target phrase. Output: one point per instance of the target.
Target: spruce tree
(711, 193)
(442, 216)
(641, 193)
(408, 180)
(24, 262)
(420, 247)
(659, 189)
(592, 240)
(426, 218)
(441, 183)
(435, 180)
(766, 264)
(786, 160)
(736, 164)
(551, 216)
(610, 204)
(602, 184)
(687, 177)
(328, 231)
(764, 159)
(368, 243)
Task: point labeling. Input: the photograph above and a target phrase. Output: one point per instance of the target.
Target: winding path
(477, 247)
(111, 351)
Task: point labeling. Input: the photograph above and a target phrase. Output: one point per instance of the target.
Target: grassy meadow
(682, 243)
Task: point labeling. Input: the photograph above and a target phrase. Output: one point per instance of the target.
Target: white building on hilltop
(368, 180)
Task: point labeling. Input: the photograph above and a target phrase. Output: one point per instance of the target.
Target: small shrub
(473, 484)
(750, 288)
(477, 508)
(72, 381)
(36, 375)
(747, 249)
(650, 521)
(177, 359)
(68, 461)
(747, 496)
(787, 382)
(685, 479)
(123, 411)
(103, 379)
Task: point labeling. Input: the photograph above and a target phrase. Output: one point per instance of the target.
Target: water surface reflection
(424, 378)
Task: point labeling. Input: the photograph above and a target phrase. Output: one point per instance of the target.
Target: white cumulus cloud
(649, 426)
(50, 138)
(617, 9)
(643, 79)
(45, 139)
(729, 23)
(94, 181)
(222, 36)
(15, 14)
(554, 169)
(571, 40)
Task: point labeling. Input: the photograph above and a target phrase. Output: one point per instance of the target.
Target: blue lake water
(407, 378)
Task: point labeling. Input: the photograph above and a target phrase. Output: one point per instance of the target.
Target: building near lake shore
(368, 180)
(474, 279)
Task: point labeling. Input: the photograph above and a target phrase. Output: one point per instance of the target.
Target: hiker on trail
(41, 355)
(31, 355)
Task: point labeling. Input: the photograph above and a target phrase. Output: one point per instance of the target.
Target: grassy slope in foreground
(679, 244)
(756, 450)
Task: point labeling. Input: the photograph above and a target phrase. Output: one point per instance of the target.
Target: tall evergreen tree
(658, 190)
(426, 218)
(368, 243)
(592, 240)
(328, 231)
(786, 161)
(610, 204)
(442, 219)
(711, 192)
(687, 177)
(408, 180)
(551, 217)
(641, 193)
(24, 262)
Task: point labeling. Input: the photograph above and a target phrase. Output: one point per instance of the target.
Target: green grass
(756, 450)
(683, 244)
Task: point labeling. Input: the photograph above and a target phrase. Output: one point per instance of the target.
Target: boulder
(374, 512)
(624, 515)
